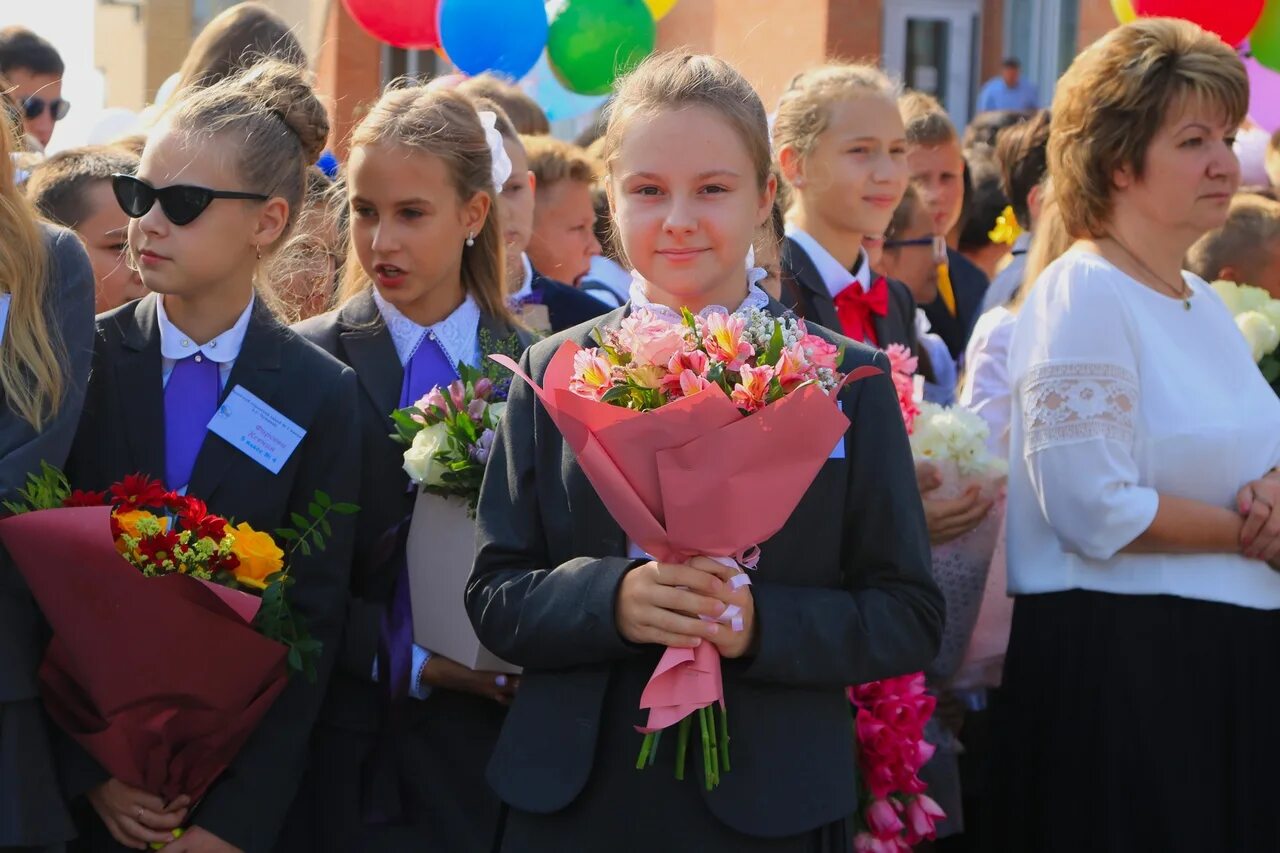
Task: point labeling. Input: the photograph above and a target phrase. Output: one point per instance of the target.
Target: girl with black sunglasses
(227, 167)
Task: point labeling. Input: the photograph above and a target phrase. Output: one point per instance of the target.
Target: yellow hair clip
(1007, 229)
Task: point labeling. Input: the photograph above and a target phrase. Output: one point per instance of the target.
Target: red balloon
(1232, 20)
(410, 24)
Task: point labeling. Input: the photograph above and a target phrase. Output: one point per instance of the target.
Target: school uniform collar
(833, 274)
(175, 344)
(639, 298)
(458, 334)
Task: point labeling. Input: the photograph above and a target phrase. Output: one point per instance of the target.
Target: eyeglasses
(938, 244)
(181, 204)
(35, 106)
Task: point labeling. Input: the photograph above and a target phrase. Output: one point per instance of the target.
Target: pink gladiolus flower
(818, 352)
(483, 388)
(883, 820)
(651, 339)
(753, 389)
(922, 816)
(591, 374)
(724, 340)
(794, 369)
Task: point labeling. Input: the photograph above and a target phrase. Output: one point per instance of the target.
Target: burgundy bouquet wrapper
(162, 679)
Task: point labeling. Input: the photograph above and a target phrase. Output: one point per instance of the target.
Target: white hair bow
(497, 151)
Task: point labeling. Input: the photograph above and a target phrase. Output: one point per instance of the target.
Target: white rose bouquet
(1257, 316)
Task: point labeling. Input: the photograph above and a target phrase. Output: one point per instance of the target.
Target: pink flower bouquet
(896, 813)
(661, 416)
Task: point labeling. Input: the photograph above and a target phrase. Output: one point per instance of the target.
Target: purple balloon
(1264, 95)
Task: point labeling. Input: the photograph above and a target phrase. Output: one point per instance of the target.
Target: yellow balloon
(660, 8)
(1124, 11)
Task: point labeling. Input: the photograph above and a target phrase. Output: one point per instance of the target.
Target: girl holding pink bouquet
(425, 291)
(841, 595)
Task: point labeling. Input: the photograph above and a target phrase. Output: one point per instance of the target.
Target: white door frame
(963, 64)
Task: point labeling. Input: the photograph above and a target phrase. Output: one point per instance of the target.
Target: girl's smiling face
(686, 204)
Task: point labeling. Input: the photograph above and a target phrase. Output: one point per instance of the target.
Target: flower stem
(708, 775)
(682, 746)
(724, 738)
(712, 747)
(653, 753)
(645, 749)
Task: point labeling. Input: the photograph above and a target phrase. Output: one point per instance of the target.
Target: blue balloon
(556, 101)
(505, 37)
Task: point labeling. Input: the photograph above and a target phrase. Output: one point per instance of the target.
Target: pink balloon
(1264, 95)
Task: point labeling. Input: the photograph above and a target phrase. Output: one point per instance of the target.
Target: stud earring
(471, 238)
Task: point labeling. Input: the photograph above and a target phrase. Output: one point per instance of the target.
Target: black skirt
(1137, 723)
(625, 810)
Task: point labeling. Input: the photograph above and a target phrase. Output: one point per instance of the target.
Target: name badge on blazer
(838, 451)
(256, 430)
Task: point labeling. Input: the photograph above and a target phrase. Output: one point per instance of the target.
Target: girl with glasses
(217, 191)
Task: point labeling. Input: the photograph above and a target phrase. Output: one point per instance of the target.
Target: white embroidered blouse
(1120, 394)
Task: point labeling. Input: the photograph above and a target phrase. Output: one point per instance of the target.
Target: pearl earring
(258, 249)
(471, 238)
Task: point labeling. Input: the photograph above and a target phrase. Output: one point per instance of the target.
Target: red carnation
(138, 490)
(156, 549)
(83, 498)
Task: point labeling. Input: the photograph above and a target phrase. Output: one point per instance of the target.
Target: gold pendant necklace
(1184, 293)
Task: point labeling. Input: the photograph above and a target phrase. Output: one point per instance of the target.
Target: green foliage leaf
(323, 499)
(299, 521)
(345, 508)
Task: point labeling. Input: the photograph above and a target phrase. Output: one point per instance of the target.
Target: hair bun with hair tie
(497, 151)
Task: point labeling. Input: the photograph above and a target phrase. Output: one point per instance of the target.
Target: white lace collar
(458, 334)
(756, 298)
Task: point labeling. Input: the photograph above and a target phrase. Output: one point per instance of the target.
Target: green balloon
(1264, 41)
(591, 43)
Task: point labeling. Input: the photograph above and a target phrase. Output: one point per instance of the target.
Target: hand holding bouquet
(136, 568)
(661, 415)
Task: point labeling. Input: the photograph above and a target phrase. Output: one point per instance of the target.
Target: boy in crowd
(1246, 249)
(937, 167)
(73, 189)
(34, 71)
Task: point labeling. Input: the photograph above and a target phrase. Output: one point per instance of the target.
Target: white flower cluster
(760, 324)
(955, 435)
(1257, 315)
(827, 379)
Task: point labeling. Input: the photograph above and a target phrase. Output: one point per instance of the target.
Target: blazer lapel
(595, 531)
(821, 307)
(371, 352)
(257, 368)
(140, 380)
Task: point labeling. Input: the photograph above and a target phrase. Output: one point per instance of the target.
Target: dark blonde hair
(1245, 241)
(443, 124)
(31, 353)
(271, 113)
(521, 111)
(927, 123)
(234, 40)
(552, 161)
(804, 111)
(673, 81)
(1115, 97)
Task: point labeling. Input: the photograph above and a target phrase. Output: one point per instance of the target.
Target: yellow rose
(260, 556)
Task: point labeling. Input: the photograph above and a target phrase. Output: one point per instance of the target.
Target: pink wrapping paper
(693, 478)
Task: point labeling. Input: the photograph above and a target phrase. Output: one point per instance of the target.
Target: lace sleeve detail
(1063, 403)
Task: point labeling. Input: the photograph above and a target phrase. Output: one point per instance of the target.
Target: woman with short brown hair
(1140, 679)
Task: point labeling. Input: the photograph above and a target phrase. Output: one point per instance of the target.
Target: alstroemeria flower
(751, 392)
(694, 363)
(646, 375)
(690, 383)
(475, 410)
(793, 368)
(592, 374)
(725, 341)
(458, 391)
